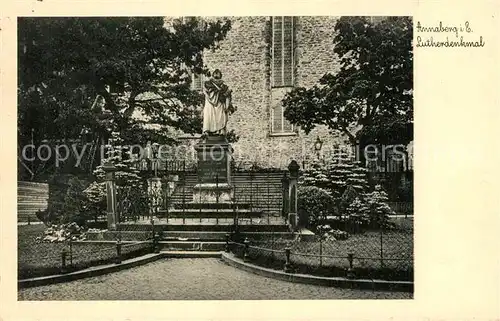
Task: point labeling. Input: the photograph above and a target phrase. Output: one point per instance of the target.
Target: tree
(357, 215)
(132, 71)
(374, 83)
(314, 205)
(335, 176)
(132, 194)
(378, 208)
(73, 208)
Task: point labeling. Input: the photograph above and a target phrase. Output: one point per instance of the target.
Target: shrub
(314, 205)
(335, 176)
(347, 198)
(339, 235)
(357, 215)
(73, 210)
(62, 233)
(327, 233)
(370, 211)
(378, 209)
(95, 200)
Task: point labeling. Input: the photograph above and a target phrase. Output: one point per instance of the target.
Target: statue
(218, 105)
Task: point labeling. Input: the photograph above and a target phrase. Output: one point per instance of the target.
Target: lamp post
(154, 149)
(154, 183)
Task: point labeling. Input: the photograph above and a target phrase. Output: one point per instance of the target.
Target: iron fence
(256, 198)
(386, 254)
(60, 258)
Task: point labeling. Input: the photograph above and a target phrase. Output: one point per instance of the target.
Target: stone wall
(244, 58)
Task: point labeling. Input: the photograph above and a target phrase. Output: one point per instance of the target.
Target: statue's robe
(217, 100)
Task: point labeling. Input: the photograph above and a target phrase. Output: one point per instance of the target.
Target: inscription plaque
(209, 168)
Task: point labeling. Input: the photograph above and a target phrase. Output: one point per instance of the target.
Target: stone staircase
(190, 237)
(263, 191)
(31, 197)
(190, 226)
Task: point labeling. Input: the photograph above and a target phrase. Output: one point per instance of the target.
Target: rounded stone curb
(110, 268)
(89, 272)
(381, 285)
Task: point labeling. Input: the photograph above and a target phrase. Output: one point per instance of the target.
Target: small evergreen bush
(314, 205)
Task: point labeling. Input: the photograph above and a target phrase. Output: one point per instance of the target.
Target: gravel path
(192, 279)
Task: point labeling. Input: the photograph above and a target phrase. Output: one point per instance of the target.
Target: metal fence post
(118, 252)
(272, 242)
(285, 195)
(152, 227)
(246, 256)
(156, 243)
(64, 253)
(381, 245)
(235, 214)
(321, 251)
(288, 263)
(350, 270)
(227, 249)
(70, 252)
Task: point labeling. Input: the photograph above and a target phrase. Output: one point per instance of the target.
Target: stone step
(221, 205)
(237, 184)
(27, 217)
(191, 245)
(31, 209)
(204, 227)
(191, 254)
(192, 236)
(22, 195)
(208, 213)
(253, 191)
(32, 206)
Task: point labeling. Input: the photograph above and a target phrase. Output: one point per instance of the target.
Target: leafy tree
(125, 74)
(374, 83)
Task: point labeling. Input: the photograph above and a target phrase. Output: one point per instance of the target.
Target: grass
(386, 254)
(39, 259)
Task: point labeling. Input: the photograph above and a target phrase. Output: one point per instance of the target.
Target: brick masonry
(244, 58)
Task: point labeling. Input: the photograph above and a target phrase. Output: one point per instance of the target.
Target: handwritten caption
(446, 36)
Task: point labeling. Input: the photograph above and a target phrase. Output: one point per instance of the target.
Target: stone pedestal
(214, 171)
(111, 211)
(293, 170)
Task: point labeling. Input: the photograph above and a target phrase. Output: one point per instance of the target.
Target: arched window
(282, 70)
(283, 53)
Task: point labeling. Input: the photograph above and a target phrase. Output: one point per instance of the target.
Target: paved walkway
(192, 279)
